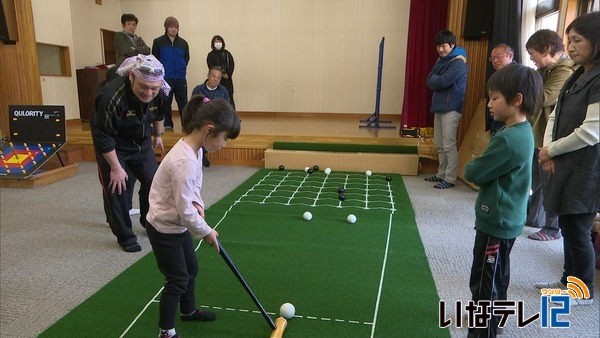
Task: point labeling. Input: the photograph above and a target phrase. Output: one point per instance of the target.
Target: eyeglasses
(148, 70)
(494, 57)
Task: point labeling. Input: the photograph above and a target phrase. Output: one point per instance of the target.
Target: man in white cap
(174, 53)
(126, 124)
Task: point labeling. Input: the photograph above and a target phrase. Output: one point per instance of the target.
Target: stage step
(404, 164)
(49, 173)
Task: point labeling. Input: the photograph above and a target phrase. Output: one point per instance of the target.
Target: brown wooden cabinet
(88, 81)
(108, 47)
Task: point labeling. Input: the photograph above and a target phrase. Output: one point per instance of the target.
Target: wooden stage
(260, 130)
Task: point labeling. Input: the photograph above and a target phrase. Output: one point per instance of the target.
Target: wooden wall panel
(19, 72)
(477, 58)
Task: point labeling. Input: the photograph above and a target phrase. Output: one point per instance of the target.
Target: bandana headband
(145, 67)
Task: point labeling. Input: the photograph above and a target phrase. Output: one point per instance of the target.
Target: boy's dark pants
(176, 260)
(490, 275)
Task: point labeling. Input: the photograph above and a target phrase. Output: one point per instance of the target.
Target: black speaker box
(478, 19)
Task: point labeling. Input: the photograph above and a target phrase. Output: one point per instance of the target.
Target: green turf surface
(368, 279)
(346, 148)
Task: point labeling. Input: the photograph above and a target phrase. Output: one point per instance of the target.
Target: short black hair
(128, 17)
(199, 112)
(445, 36)
(545, 40)
(518, 79)
(588, 26)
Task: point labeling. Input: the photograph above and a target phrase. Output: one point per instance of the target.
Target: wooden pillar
(19, 70)
(477, 58)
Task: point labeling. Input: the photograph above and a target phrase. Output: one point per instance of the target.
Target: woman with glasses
(547, 51)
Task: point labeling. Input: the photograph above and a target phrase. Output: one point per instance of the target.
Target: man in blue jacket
(174, 53)
(448, 80)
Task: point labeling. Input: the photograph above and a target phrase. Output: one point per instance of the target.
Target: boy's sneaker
(433, 178)
(168, 334)
(581, 301)
(550, 285)
(135, 247)
(201, 315)
(578, 302)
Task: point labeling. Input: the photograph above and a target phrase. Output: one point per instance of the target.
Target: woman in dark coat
(571, 154)
(222, 58)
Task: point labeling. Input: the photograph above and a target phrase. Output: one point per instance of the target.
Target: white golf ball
(306, 169)
(327, 171)
(351, 219)
(287, 310)
(307, 216)
(368, 173)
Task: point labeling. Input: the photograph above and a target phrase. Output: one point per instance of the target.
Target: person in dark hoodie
(448, 80)
(571, 155)
(222, 58)
(174, 53)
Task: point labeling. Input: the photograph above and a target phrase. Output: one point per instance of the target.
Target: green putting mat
(368, 279)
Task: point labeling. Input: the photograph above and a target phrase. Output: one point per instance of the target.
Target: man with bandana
(126, 124)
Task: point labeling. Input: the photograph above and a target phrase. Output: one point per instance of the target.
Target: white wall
(52, 20)
(87, 20)
(291, 55)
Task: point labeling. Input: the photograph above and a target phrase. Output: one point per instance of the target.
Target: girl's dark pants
(176, 259)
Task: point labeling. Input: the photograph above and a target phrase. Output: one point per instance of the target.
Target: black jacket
(224, 60)
(574, 188)
(120, 121)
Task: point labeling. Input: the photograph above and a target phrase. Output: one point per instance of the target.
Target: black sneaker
(203, 316)
(132, 247)
(165, 334)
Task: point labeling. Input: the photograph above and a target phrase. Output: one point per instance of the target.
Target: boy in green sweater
(503, 174)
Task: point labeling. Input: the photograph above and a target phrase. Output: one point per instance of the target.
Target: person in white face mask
(222, 58)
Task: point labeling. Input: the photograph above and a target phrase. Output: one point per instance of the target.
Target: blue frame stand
(373, 121)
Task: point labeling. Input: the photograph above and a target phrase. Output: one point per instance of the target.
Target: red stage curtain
(427, 17)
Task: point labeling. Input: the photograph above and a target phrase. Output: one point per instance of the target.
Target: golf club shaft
(241, 279)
